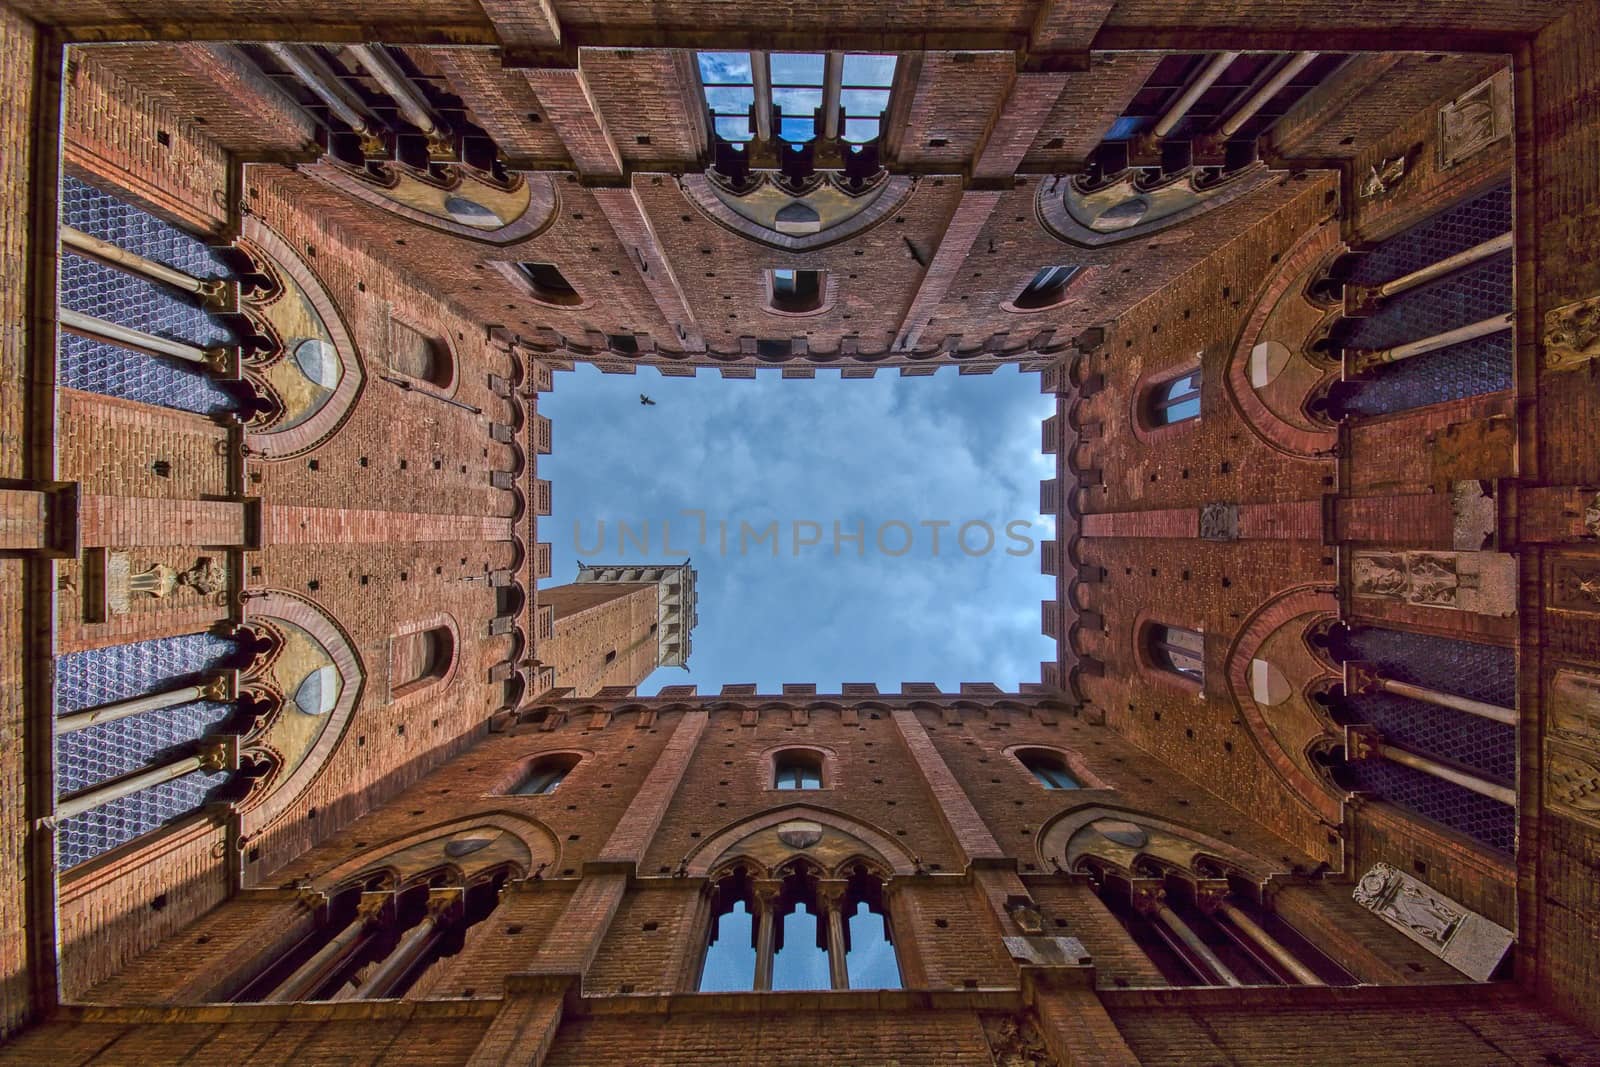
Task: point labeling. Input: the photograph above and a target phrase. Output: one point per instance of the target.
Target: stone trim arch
(1267, 427)
(895, 191)
(259, 812)
(1055, 836)
(336, 410)
(544, 204)
(542, 845)
(713, 852)
(1059, 220)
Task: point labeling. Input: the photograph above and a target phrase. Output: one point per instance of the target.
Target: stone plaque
(1464, 939)
(1575, 584)
(800, 833)
(1475, 120)
(1475, 518)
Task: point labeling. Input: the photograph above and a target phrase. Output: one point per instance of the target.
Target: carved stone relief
(1014, 1041)
(1572, 335)
(114, 581)
(1484, 583)
(1383, 177)
(1573, 781)
(1462, 938)
(1574, 706)
(1591, 517)
(1219, 522)
(1475, 120)
(1575, 584)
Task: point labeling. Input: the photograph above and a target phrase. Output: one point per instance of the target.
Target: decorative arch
(304, 680)
(836, 840)
(1131, 208)
(467, 847)
(1271, 376)
(459, 201)
(299, 358)
(824, 212)
(1287, 730)
(1122, 836)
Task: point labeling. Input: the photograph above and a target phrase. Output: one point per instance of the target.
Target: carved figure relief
(1475, 120)
(1014, 1041)
(1591, 517)
(1572, 335)
(1406, 901)
(158, 581)
(1576, 585)
(1480, 582)
(1219, 522)
(1382, 178)
(1461, 937)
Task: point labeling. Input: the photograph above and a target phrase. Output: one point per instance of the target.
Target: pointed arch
(507, 838)
(1120, 836)
(839, 839)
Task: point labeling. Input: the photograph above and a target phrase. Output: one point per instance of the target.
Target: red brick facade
(469, 752)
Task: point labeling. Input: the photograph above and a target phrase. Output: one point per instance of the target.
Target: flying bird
(646, 401)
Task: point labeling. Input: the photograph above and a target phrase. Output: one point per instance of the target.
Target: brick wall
(601, 635)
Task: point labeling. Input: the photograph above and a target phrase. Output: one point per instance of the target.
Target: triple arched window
(799, 931)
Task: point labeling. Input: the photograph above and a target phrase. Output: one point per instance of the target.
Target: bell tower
(615, 624)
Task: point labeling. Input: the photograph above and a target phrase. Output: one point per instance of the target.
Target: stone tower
(616, 624)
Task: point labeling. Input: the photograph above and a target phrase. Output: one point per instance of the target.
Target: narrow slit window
(1176, 401)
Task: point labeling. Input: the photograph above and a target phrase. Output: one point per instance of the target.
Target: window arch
(797, 768)
(1174, 400)
(545, 774)
(1047, 288)
(420, 658)
(1048, 768)
(1176, 651)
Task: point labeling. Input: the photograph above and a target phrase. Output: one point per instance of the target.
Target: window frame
(825, 292)
(1071, 763)
(568, 760)
(1156, 656)
(518, 272)
(1058, 291)
(816, 760)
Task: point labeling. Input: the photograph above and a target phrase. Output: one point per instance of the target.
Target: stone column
(221, 686)
(444, 908)
(766, 894)
(219, 754)
(1269, 944)
(373, 909)
(1364, 742)
(1364, 678)
(831, 899)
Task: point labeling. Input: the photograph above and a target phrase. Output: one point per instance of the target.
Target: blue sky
(865, 454)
